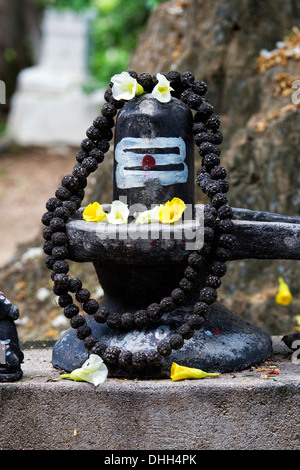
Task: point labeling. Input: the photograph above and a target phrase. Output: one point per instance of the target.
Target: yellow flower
(284, 296)
(171, 211)
(125, 87)
(162, 91)
(181, 372)
(93, 370)
(94, 212)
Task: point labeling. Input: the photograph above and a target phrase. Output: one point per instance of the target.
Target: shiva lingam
(160, 290)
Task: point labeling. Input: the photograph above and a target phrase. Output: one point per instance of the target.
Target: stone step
(242, 410)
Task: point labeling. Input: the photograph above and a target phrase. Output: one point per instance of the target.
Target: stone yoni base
(224, 344)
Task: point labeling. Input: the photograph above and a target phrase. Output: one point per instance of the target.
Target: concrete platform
(236, 411)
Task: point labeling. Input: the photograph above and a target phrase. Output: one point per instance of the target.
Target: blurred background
(56, 61)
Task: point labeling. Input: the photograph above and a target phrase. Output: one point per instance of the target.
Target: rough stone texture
(236, 411)
(220, 42)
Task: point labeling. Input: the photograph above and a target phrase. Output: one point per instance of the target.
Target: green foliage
(115, 32)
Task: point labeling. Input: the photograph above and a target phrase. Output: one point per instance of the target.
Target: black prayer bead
(139, 360)
(186, 331)
(164, 348)
(213, 122)
(46, 217)
(127, 320)
(61, 266)
(71, 310)
(112, 354)
(101, 315)
(83, 331)
(75, 284)
(90, 341)
(187, 79)
(125, 358)
(218, 268)
(190, 273)
(99, 348)
(178, 296)
(208, 295)
(213, 281)
(145, 80)
(59, 238)
(153, 358)
(200, 88)
(91, 306)
(53, 203)
(63, 194)
(154, 311)
(141, 318)
(64, 300)
(176, 341)
(195, 322)
(77, 321)
(60, 252)
(167, 304)
(186, 285)
(201, 308)
(114, 320)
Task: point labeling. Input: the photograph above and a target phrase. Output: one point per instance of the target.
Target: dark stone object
(224, 343)
(154, 152)
(137, 272)
(11, 355)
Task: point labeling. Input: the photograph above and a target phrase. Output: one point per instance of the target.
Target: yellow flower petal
(284, 296)
(93, 212)
(181, 372)
(172, 211)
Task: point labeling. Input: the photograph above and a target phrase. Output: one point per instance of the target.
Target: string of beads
(218, 226)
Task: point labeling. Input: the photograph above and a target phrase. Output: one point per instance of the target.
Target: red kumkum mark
(148, 161)
(217, 332)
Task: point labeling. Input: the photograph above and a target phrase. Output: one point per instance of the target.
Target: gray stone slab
(236, 411)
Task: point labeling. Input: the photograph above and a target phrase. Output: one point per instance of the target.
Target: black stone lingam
(154, 153)
(11, 355)
(160, 300)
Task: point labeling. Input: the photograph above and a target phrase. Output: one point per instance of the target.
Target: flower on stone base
(181, 372)
(93, 370)
(93, 213)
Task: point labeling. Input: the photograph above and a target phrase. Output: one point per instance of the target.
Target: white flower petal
(92, 363)
(162, 91)
(119, 213)
(124, 86)
(145, 217)
(93, 371)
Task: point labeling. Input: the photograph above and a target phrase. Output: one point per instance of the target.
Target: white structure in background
(49, 106)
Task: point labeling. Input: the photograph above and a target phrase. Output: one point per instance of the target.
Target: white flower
(145, 217)
(125, 87)
(93, 370)
(118, 214)
(162, 91)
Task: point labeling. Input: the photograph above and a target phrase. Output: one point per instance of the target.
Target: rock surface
(249, 56)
